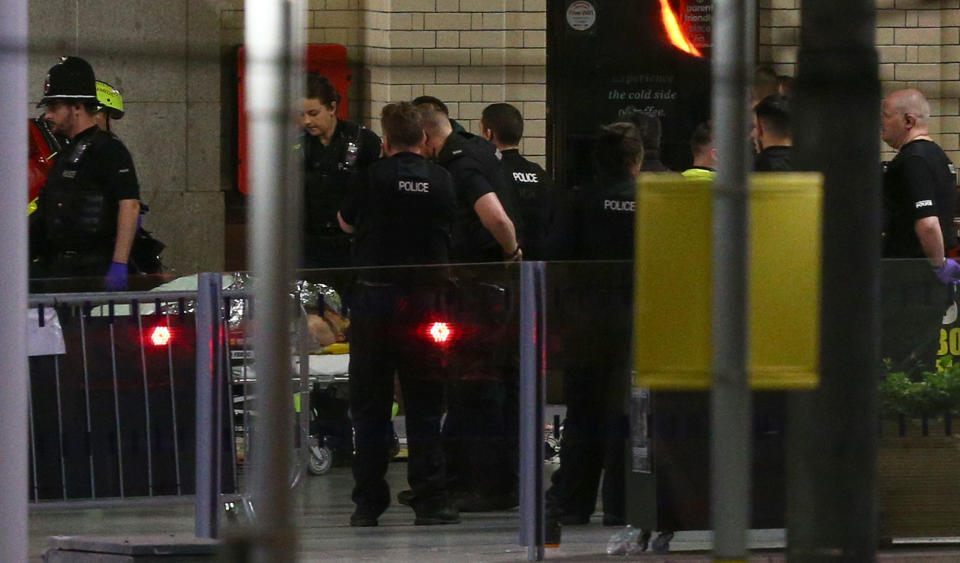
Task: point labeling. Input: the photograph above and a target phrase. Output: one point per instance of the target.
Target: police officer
(919, 196)
(502, 125)
(332, 150)
(595, 384)
(89, 206)
(485, 231)
(401, 210)
(437, 104)
(478, 441)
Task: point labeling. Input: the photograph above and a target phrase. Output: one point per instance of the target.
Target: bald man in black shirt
(919, 199)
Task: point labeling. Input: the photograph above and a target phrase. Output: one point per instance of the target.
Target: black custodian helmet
(70, 79)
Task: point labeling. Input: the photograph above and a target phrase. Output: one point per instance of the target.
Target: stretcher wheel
(321, 460)
(661, 544)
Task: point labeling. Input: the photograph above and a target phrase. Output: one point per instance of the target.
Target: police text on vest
(411, 186)
(618, 205)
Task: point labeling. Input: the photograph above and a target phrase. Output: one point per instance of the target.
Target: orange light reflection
(676, 35)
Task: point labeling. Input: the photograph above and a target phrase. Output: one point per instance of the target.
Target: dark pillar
(832, 448)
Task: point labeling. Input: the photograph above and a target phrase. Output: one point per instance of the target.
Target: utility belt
(413, 280)
(90, 261)
(75, 246)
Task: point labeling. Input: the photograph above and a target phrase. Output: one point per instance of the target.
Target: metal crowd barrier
(111, 419)
(136, 406)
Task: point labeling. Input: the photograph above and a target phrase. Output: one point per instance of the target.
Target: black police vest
(607, 225)
(76, 211)
(326, 178)
(530, 186)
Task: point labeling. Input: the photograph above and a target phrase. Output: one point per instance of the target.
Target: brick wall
(918, 42)
(468, 53)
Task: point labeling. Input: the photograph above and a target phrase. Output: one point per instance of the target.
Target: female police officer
(596, 381)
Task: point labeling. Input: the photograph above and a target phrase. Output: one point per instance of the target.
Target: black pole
(832, 444)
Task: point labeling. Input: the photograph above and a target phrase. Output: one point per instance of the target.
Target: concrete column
(13, 281)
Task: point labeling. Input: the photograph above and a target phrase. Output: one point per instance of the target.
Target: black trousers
(596, 383)
(481, 428)
(388, 336)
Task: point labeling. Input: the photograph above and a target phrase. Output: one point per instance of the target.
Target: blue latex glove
(117, 277)
(949, 273)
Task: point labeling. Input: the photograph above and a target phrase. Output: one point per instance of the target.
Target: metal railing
(106, 421)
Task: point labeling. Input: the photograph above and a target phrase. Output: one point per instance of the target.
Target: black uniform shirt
(327, 173)
(534, 192)
(95, 163)
(919, 182)
(774, 159)
(99, 157)
(606, 212)
(403, 208)
(476, 171)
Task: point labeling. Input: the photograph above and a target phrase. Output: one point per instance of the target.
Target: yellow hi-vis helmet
(109, 99)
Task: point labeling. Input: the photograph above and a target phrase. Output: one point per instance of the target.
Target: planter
(918, 478)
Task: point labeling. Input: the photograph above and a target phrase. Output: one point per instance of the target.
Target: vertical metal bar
(116, 406)
(531, 411)
(146, 398)
(275, 51)
(63, 462)
(13, 279)
(33, 444)
(247, 439)
(228, 367)
(86, 398)
(303, 393)
(208, 432)
(173, 408)
(730, 446)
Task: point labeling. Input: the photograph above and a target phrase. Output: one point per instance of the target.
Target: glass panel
(918, 400)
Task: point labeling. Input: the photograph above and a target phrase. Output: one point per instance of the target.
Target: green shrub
(932, 394)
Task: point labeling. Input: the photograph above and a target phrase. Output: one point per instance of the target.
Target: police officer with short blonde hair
(401, 210)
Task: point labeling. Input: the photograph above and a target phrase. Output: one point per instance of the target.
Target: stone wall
(164, 57)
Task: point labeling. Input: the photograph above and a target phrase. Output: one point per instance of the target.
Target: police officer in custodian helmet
(89, 206)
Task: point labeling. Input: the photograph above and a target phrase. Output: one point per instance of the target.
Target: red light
(440, 332)
(160, 336)
(674, 32)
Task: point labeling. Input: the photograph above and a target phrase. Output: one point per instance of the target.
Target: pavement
(322, 509)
